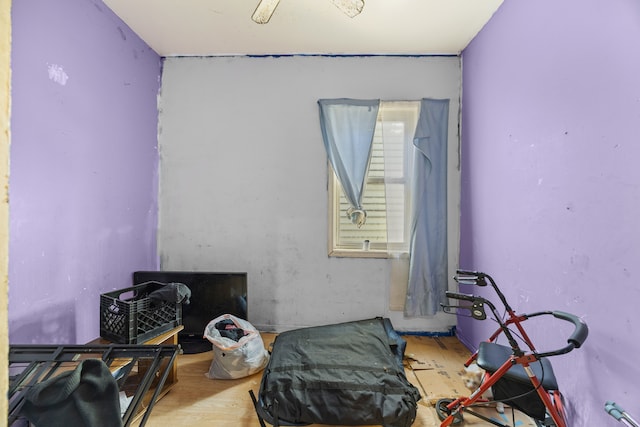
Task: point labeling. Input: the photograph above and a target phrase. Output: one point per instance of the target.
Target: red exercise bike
(520, 377)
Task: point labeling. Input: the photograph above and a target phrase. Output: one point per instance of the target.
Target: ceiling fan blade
(264, 10)
(350, 7)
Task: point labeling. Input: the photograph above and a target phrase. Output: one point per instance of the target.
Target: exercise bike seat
(491, 356)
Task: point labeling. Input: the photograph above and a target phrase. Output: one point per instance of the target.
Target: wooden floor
(432, 365)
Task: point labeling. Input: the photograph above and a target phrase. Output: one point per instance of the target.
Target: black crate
(128, 317)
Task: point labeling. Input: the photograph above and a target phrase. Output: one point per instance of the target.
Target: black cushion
(491, 356)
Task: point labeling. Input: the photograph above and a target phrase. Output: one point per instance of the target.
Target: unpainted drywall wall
(243, 178)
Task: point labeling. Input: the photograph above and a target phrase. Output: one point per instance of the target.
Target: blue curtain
(428, 265)
(347, 128)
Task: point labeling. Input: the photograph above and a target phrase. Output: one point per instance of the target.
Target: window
(386, 197)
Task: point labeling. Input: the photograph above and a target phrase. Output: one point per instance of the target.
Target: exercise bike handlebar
(581, 331)
(477, 278)
(458, 295)
(467, 277)
(577, 337)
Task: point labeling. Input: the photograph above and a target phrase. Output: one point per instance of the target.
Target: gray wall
(243, 178)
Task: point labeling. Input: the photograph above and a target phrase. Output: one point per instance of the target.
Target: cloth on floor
(230, 330)
(172, 293)
(87, 396)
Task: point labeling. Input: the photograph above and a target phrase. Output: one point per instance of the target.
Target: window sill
(358, 253)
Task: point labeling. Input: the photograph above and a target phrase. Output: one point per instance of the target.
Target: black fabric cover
(515, 388)
(84, 397)
(529, 402)
(342, 374)
(491, 356)
(171, 293)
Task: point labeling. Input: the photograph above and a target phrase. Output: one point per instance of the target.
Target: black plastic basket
(127, 315)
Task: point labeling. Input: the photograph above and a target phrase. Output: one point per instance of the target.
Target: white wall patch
(57, 74)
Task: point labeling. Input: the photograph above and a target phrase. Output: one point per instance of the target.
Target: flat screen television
(212, 294)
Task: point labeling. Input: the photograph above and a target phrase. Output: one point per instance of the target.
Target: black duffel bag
(342, 374)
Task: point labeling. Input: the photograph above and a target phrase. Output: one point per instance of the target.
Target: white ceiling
(385, 27)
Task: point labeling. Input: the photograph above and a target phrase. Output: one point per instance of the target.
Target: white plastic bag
(235, 359)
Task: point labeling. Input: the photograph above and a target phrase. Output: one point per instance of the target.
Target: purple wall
(551, 183)
(83, 183)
